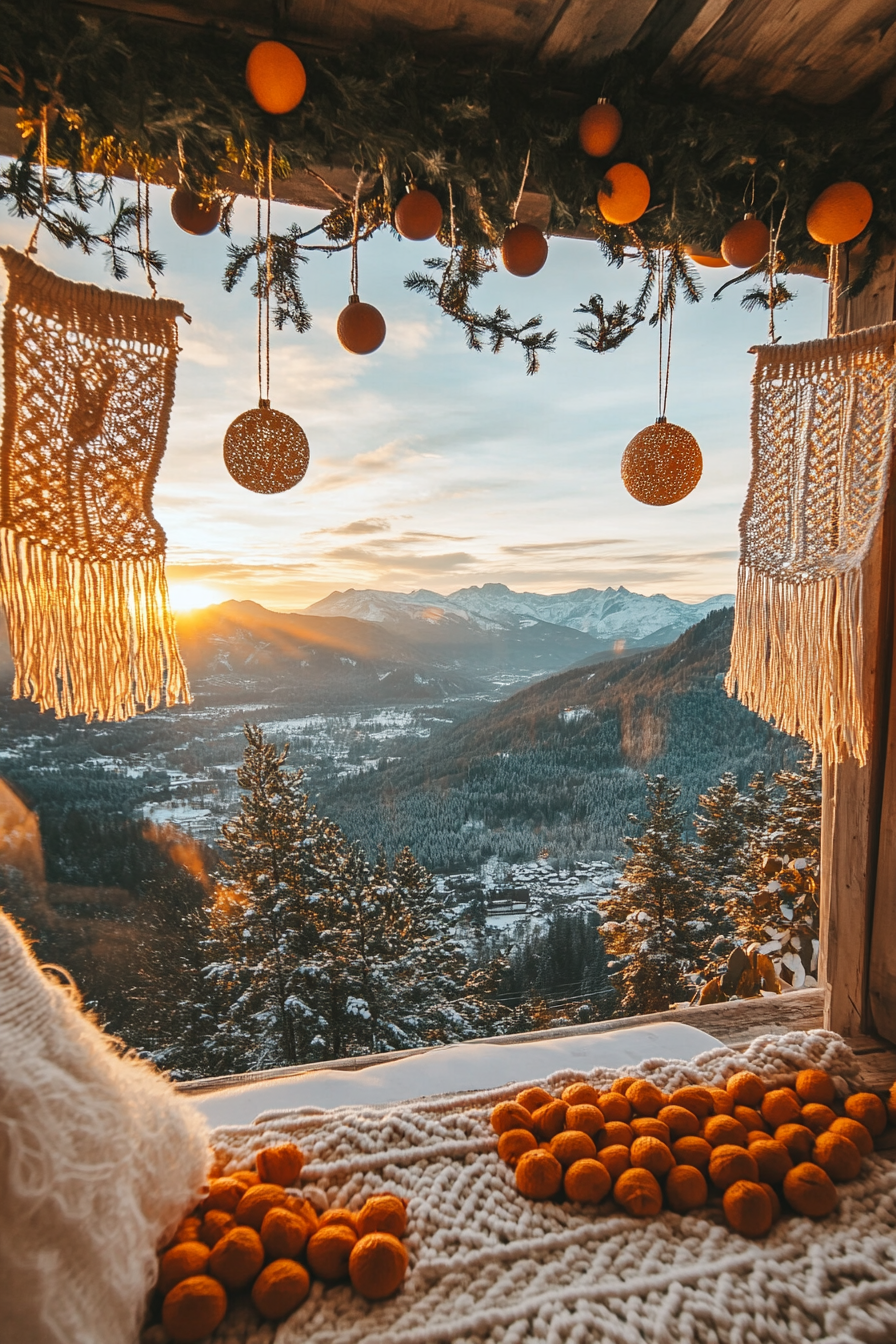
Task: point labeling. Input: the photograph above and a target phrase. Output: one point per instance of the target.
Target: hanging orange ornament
(662, 464)
(709, 259)
(276, 77)
(192, 213)
(524, 250)
(629, 194)
(360, 327)
(418, 215)
(265, 450)
(600, 127)
(746, 242)
(840, 213)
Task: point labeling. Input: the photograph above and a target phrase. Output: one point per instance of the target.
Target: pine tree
(650, 926)
(721, 826)
(277, 892)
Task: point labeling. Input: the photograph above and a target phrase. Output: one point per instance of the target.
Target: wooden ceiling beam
(820, 51)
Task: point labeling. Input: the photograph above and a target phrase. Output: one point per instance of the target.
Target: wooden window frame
(857, 963)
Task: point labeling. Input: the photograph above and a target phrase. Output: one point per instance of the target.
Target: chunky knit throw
(823, 422)
(99, 1159)
(488, 1265)
(88, 384)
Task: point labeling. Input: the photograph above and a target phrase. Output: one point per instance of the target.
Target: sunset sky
(433, 466)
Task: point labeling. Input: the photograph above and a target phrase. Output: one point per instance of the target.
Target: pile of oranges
(250, 1234)
(746, 1143)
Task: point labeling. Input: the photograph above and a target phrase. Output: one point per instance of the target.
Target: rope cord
(42, 152)
(774, 237)
(145, 254)
(258, 286)
(451, 216)
(834, 289)
(356, 215)
(519, 195)
(663, 377)
(267, 277)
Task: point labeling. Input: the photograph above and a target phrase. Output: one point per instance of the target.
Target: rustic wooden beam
(852, 856)
(882, 961)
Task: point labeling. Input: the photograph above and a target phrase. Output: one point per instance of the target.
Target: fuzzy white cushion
(99, 1158)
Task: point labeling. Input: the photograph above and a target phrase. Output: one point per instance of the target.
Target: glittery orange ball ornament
(600, 127)
(662, 464)
(266, 451)
(276, 77)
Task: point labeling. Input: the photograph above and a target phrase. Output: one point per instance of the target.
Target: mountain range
(374, 647)
(370, 647)
(609, 615)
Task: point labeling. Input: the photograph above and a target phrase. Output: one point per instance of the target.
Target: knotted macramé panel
(823, 419)
(88, 382)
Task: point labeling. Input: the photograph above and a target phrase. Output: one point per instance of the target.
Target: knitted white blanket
(489, 1265)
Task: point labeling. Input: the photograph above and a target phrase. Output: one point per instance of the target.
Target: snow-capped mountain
(610, 614)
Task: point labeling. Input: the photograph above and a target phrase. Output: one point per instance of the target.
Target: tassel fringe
(89, 636)
(796, 658)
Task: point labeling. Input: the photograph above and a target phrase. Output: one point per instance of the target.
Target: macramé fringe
(796, 657)
(89, 637)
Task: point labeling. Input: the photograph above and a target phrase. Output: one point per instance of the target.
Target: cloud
(362, 527)
(409, 336)
(390, 458)
(432, 536)
(379, 558)
(560, 547)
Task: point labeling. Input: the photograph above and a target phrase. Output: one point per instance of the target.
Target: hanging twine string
(143, 213)
(774, 237)
(834, 289)
(259, 284)
(519, 195)
(42, 154)
(263, 283)
(663, 374)
(451, 217)
(267, 277)
(356, 215)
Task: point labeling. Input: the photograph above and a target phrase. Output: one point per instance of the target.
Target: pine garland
(117, 93)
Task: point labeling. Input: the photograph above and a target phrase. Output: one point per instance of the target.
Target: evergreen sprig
(462, 271)
(285, 290)
(612, 328)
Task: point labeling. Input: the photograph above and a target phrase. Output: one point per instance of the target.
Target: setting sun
(190, 596)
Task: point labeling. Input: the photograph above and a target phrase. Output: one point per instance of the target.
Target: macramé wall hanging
(823, 420)
(89, 382)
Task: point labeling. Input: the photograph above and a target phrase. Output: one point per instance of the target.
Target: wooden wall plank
(851, 852)
(882, 965)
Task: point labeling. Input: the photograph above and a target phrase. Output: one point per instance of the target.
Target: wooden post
(858, 849)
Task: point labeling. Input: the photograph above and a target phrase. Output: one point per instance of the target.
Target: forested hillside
(560, 765)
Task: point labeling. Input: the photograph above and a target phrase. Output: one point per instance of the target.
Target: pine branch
(762, 298)
(462, 272)
(285, 290)
(612, 328)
